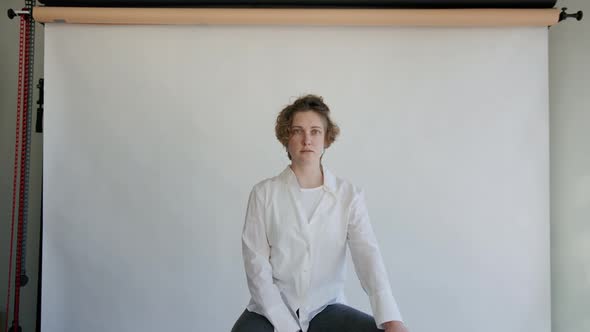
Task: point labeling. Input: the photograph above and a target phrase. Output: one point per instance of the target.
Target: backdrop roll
(355, 3)
(300, 16)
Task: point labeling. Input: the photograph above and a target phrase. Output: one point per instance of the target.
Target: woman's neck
(308, 176)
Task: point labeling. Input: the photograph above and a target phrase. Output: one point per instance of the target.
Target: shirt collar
(329, 180)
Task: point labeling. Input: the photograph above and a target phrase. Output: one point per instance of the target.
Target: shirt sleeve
(368, 263)
(256, 254)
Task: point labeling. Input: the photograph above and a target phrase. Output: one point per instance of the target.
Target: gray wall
(570, 168)
(9, 32)
(569, 74)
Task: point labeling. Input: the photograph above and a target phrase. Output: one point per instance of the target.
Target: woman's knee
(252, 322)
(342, 318)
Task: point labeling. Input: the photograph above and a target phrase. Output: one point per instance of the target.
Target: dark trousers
(334, 318)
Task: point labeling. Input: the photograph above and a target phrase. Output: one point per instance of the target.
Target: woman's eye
(316, 132)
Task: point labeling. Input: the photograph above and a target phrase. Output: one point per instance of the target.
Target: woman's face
(306, 144)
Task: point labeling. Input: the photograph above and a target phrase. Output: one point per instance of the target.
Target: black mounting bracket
(563, 15)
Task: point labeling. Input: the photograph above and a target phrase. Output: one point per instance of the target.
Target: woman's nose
(307, 139)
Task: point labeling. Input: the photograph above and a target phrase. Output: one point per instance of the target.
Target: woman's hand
(395, 326)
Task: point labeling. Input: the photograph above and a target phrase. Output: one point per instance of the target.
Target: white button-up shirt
(295, 263)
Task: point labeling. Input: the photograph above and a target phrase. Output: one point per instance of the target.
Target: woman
(297, 228)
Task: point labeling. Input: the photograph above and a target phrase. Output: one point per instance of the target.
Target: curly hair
(305, 103)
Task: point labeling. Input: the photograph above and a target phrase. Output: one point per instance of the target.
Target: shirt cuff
(282, 320)
(384, 308)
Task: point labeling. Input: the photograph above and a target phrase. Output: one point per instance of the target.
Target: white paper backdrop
(154, 136)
